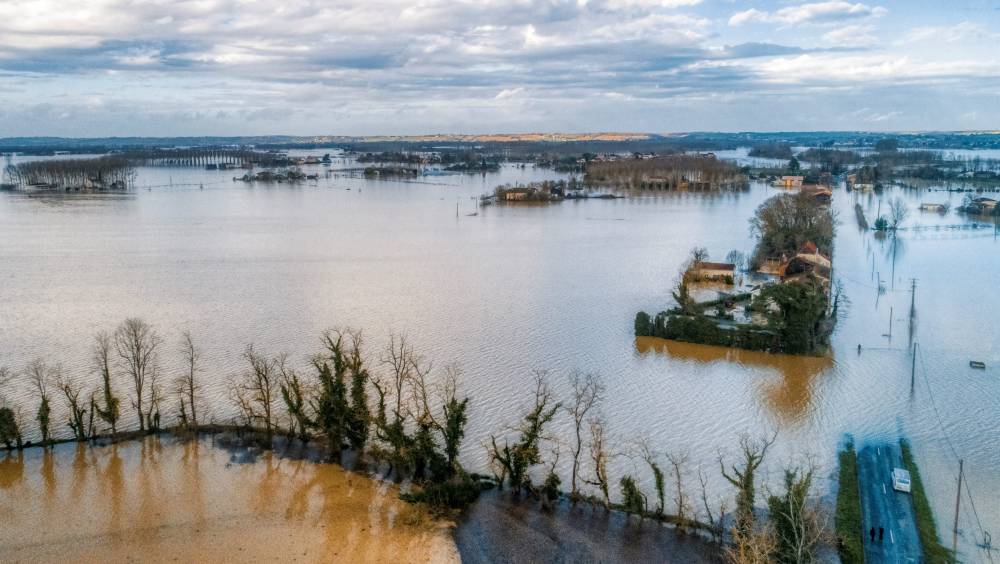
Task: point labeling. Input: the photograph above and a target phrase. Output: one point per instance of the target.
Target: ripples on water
(516, 289)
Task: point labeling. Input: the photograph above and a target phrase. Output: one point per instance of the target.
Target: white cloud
(508, 93)
(851, 36)
(964, 31)
(813, 13)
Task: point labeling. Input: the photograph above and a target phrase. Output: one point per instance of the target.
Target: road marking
(892, 539)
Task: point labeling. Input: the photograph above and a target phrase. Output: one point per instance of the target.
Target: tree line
(394, 409)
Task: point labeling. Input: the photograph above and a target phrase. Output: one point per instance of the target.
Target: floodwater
(162, 500)
(519, 288)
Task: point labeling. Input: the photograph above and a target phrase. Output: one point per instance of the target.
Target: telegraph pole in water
(913, 367)
(958, 500)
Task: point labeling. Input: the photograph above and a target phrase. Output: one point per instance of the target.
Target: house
(982, 206)
(940, 208)
(714, 271)
(517, 195)
(794, 182)
(807, 263)
(819, 192)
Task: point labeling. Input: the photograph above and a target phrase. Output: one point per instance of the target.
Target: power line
(951, 445)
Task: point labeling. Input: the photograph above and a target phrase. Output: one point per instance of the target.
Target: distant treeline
(772, 151)
(668, 172)
(102, 173)
(201, 156)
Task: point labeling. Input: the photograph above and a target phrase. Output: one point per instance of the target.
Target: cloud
(813, 13)
(963, 31)
(385, 65)
(851, 36)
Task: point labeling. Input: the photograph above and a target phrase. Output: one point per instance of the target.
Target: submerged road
(882, 506)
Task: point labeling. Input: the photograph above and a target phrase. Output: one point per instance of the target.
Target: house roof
(809, 247)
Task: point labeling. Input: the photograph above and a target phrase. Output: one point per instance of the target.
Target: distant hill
(600, 141)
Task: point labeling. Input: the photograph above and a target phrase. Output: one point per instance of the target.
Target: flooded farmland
(194, 501)
(511, 290)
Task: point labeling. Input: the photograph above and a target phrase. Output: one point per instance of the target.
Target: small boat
(977, 364)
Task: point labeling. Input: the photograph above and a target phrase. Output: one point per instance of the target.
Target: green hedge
(847, 520)
(934, 551)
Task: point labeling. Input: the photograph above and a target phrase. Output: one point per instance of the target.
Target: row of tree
(395, 410)
(102, 173)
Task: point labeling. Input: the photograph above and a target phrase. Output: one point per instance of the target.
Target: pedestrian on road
(871, 533)
(881, 534)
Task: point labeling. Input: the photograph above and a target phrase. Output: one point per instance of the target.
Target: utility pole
(958, 500)
(890, 323)
(913, 297)
(913, 367)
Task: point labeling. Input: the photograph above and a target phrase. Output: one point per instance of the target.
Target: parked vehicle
(901, 480)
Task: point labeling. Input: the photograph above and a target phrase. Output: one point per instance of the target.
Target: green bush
(455, 494)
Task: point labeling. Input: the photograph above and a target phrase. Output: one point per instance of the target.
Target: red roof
(809, 247)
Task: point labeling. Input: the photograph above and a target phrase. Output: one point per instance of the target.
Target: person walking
(871, 533)
(881, 534)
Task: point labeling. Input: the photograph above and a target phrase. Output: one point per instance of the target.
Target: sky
(91, 68)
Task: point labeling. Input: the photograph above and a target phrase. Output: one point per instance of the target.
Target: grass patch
(931, 546)
(847, 519)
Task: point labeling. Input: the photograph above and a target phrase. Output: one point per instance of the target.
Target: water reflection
(185, 501)
(789, 388)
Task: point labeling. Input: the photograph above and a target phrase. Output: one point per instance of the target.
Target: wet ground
(502, 527)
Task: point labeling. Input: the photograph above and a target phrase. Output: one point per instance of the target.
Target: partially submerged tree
(514, 460)
(40, 377)
(101, 358)
(796, 519)
(633, 500)
(599, 456)
(10, 433)
(586, 395)
(77, 409)
(677, 463)
(258, 389)
(137, 346)
(295, 394)
(743, 478)
(187, 384)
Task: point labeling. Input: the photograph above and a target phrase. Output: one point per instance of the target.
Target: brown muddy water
(191, 501)
(519, 288)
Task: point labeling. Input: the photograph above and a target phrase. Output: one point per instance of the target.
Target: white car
(901, 480)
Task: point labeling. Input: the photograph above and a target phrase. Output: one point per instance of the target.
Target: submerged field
(515, 289)
(197, 502)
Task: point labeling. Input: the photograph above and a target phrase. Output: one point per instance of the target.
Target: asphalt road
(882, 506)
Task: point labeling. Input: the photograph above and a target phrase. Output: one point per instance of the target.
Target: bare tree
(260, 387)
(187, 384)
(587, 393)
(677, 462)
(599, 456)
(137, 345)
(716, 523)
(898, 212)
(40, 377)
(77, 410)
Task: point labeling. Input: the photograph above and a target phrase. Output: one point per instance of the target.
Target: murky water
(190, 502)
(520, 288)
